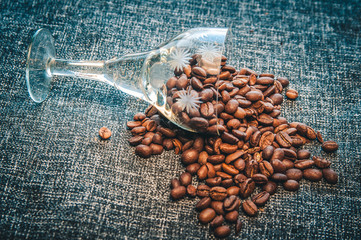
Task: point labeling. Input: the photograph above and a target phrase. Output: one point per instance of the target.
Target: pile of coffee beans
(245, 143)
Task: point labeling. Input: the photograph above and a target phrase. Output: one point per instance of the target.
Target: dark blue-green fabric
(59, 181)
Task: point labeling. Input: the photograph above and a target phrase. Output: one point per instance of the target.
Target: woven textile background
(59, 181)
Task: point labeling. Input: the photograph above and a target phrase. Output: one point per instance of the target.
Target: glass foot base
(38, 77)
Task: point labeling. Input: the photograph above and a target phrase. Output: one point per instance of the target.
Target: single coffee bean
(249, 208)
(319, 137)
(231, 216)
(267, 152)
(292, 94)
(294, 174)
(206, 216)
(104, 133)
(191, 191)
(133, 124)
(290, 154)
(330, 175)
(311, 134)
(238, 227)
(212, 182)
(135, 140)
(288, 164)
(312, 174)
(218, 207)
(156, 148)
(193, 168)
(185, 178)
(199, 123)
(254, 96)
(138, 130)
(321, 162)
(190, 156)
(199, 73)
(217, 221)
(239, 178)
(278, 153)
(291, 185)
(222, 231)
(304, 164)
(234, 190)
(246, 188)
(330, 146)
(232, 157)
(178, 192)
(143, 151)
(266, 140)
(203, 203)
(239, 164)
(278, 166)
(279, 177)
(226, 183)
(251, 168)
(218, 193)
(303, 154)
(255, 138)
(216, 159)
(259, 178)
(284, 139)
(266, 168)
(261, 198)
(174, 183)
(229, 169)
(228, 148)
(231, 203)
(284, 81)
(203, 190)
(270, 187)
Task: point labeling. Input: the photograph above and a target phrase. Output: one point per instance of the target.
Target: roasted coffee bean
(278, 153)
(168, 144)
(312, 174)
(202, 159)
(133, 124)
(290, 154)
(207, 109)
(330, 175)
(284, 139)
(259, 179)
(278, 166)
(234, 190)
(239, 164)
(218, 193)
(228, 148)
(187, 145)
(291, 185)
(135, 140)
(266, 168)
(319, 137)
(206, 95)
(304, 164)
(218, 207)
(203, 190)
(231, 106)
(146, 141)
(156, 149)
(233, 124)
(216, 159)
(138, 130)
(246, 188)
(157, 139)
(203, 203)
(229, 169)
(238, 227)
(267, 152)
(261, 198)
(190, 156)
(231, 216)
(217, 221)
(284, 81)
(199, 123)
(254, 96)
(279, 177)
(222, 231)
(174, 183)
(206, 216)
(321, 162)
(229, 138)
(251, 168)
(143, 151)
(270, 187)
(185, 178)
(105, 133)
(202, 172)
(255, 138)
(193, 168)
(311, 134)
(302, 129)
(266, 140)
(199, 72)
(239, 178)
(232, 157)
(329, 146)
(178, 192)
(249, 208)
(291, 94)
(191, 191)
(288, 164)
(294, 174)
(139, 117)
(231, 203)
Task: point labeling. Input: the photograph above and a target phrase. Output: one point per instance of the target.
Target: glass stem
(124, 73)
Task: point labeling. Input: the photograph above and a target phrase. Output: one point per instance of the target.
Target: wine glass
(167, 77)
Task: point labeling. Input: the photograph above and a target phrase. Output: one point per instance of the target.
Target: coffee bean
(135, 140)
(284, 81)
(284, 139)
(249, 208)
(217, 221)
(156, 148)
(191, 191)
(104, 133)
(206, 216)
(303, 154)
(279, 177)
(266, 168)
(267, 152)
(304, 164)
(185, 178)
(231, 203)
(311, 134)
(290, 154)
(261, 198)
(329, 146)
(232, 157)
(330, 175)
(278, 166)
(190, 156)
(291, 185)
(278, 153)
(254, 96)
(292, 94)
(270, 187)
(143, 151)
(231, 216)
(228, 148)
(175, 183)
(246, 188)
(229, 169)
(229, 138)
(234, 190)
(203, 203)
(203, 190)
(239, 164)
(319, 137)
(193, 168)
(276, 98)
(218, 193)
(259, 179)
(178, 192)
(218, 207)
(321, 162)
(216, 159)
(222, 231)
(288, 164)
(238, 227)
(199, 72)
(294, 174)
(311, 174)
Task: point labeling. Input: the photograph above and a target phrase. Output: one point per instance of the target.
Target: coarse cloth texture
(59, 181)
